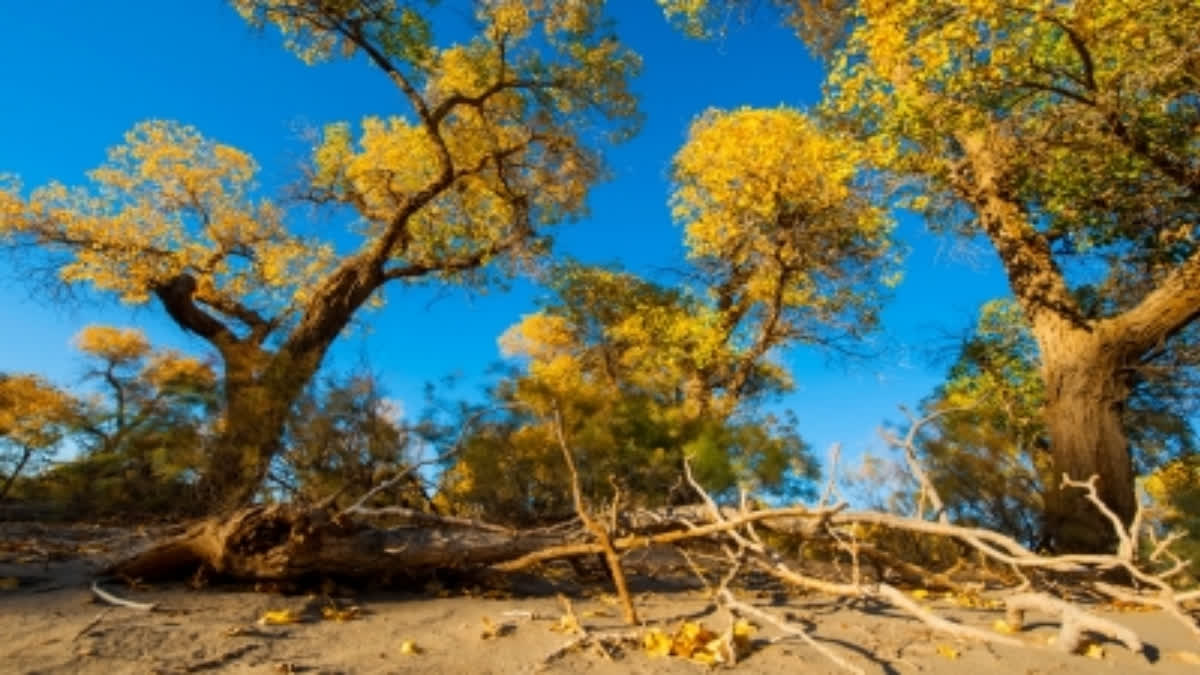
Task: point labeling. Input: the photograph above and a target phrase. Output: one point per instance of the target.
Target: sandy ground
(51, 623)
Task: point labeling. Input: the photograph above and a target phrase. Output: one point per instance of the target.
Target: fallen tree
(288, 542)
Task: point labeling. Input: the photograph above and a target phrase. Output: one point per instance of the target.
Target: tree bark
(260, 390)
(287, 542)
(1084, 359)
(26, 454)
(1086, 391)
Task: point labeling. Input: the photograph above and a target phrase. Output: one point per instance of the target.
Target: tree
(344, 438)
(1175, 487)
(1066, 134)
(34, 416)
(783, 250)
(987, 454)
(143, 435)
(614, 359)
(138, 437)
(489, 151)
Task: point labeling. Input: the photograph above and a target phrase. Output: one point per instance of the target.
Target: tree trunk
(26, 453)
(254, 425)
(260, 390)
(1085, 399)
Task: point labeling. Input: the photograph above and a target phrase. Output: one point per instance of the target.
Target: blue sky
(77, 75)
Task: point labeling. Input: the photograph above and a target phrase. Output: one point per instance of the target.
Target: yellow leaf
(593, 613)
(409, 647)
(340, 615)
(1094, 651)
(948, 652)
(690, 638)
(743, 630)
(657, 643)
(567, 623)
(920, 594)
(279, 617)
(1002, 626)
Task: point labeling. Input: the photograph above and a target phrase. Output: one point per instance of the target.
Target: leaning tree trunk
(1085, 399)
(259, 393)
(254, 424)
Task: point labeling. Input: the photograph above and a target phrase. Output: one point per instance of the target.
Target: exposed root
(1073, 621)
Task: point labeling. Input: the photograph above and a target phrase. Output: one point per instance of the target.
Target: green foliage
(640, 376)
(344, 438)
(1174, 489)
(988, 452)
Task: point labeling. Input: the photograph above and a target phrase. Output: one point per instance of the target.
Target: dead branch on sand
(281, 541)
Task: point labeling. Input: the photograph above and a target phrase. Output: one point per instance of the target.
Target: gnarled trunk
(260, 390)
(1085, 400)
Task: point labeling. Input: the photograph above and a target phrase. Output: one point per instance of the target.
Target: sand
(50, 622)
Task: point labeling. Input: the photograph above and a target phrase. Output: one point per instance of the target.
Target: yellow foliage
(170, 202)
(1170, 481)
(168, 369)
(32, 411)
(114, 345)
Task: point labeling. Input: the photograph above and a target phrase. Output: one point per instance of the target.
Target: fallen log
(284, 541)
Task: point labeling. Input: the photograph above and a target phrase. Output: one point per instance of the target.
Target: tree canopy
(490, 149)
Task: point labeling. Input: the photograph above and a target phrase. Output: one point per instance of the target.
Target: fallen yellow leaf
(690, 637)
(948, 652)
(743, 630)
(920, 593)
(279, 617)
(1002, 626)
(340, 615)
(593, 613)
(567, 623)
(657, 643)
(409, 647)
(1094, 651)
(720, 650)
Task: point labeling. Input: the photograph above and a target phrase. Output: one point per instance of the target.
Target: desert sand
(51, 622)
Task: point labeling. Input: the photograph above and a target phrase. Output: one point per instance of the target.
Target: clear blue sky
(77, 74)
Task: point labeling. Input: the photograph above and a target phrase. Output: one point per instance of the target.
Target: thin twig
(91, 624)
(114, 600)
(603, 537)
(462, 434)
(788, 628)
